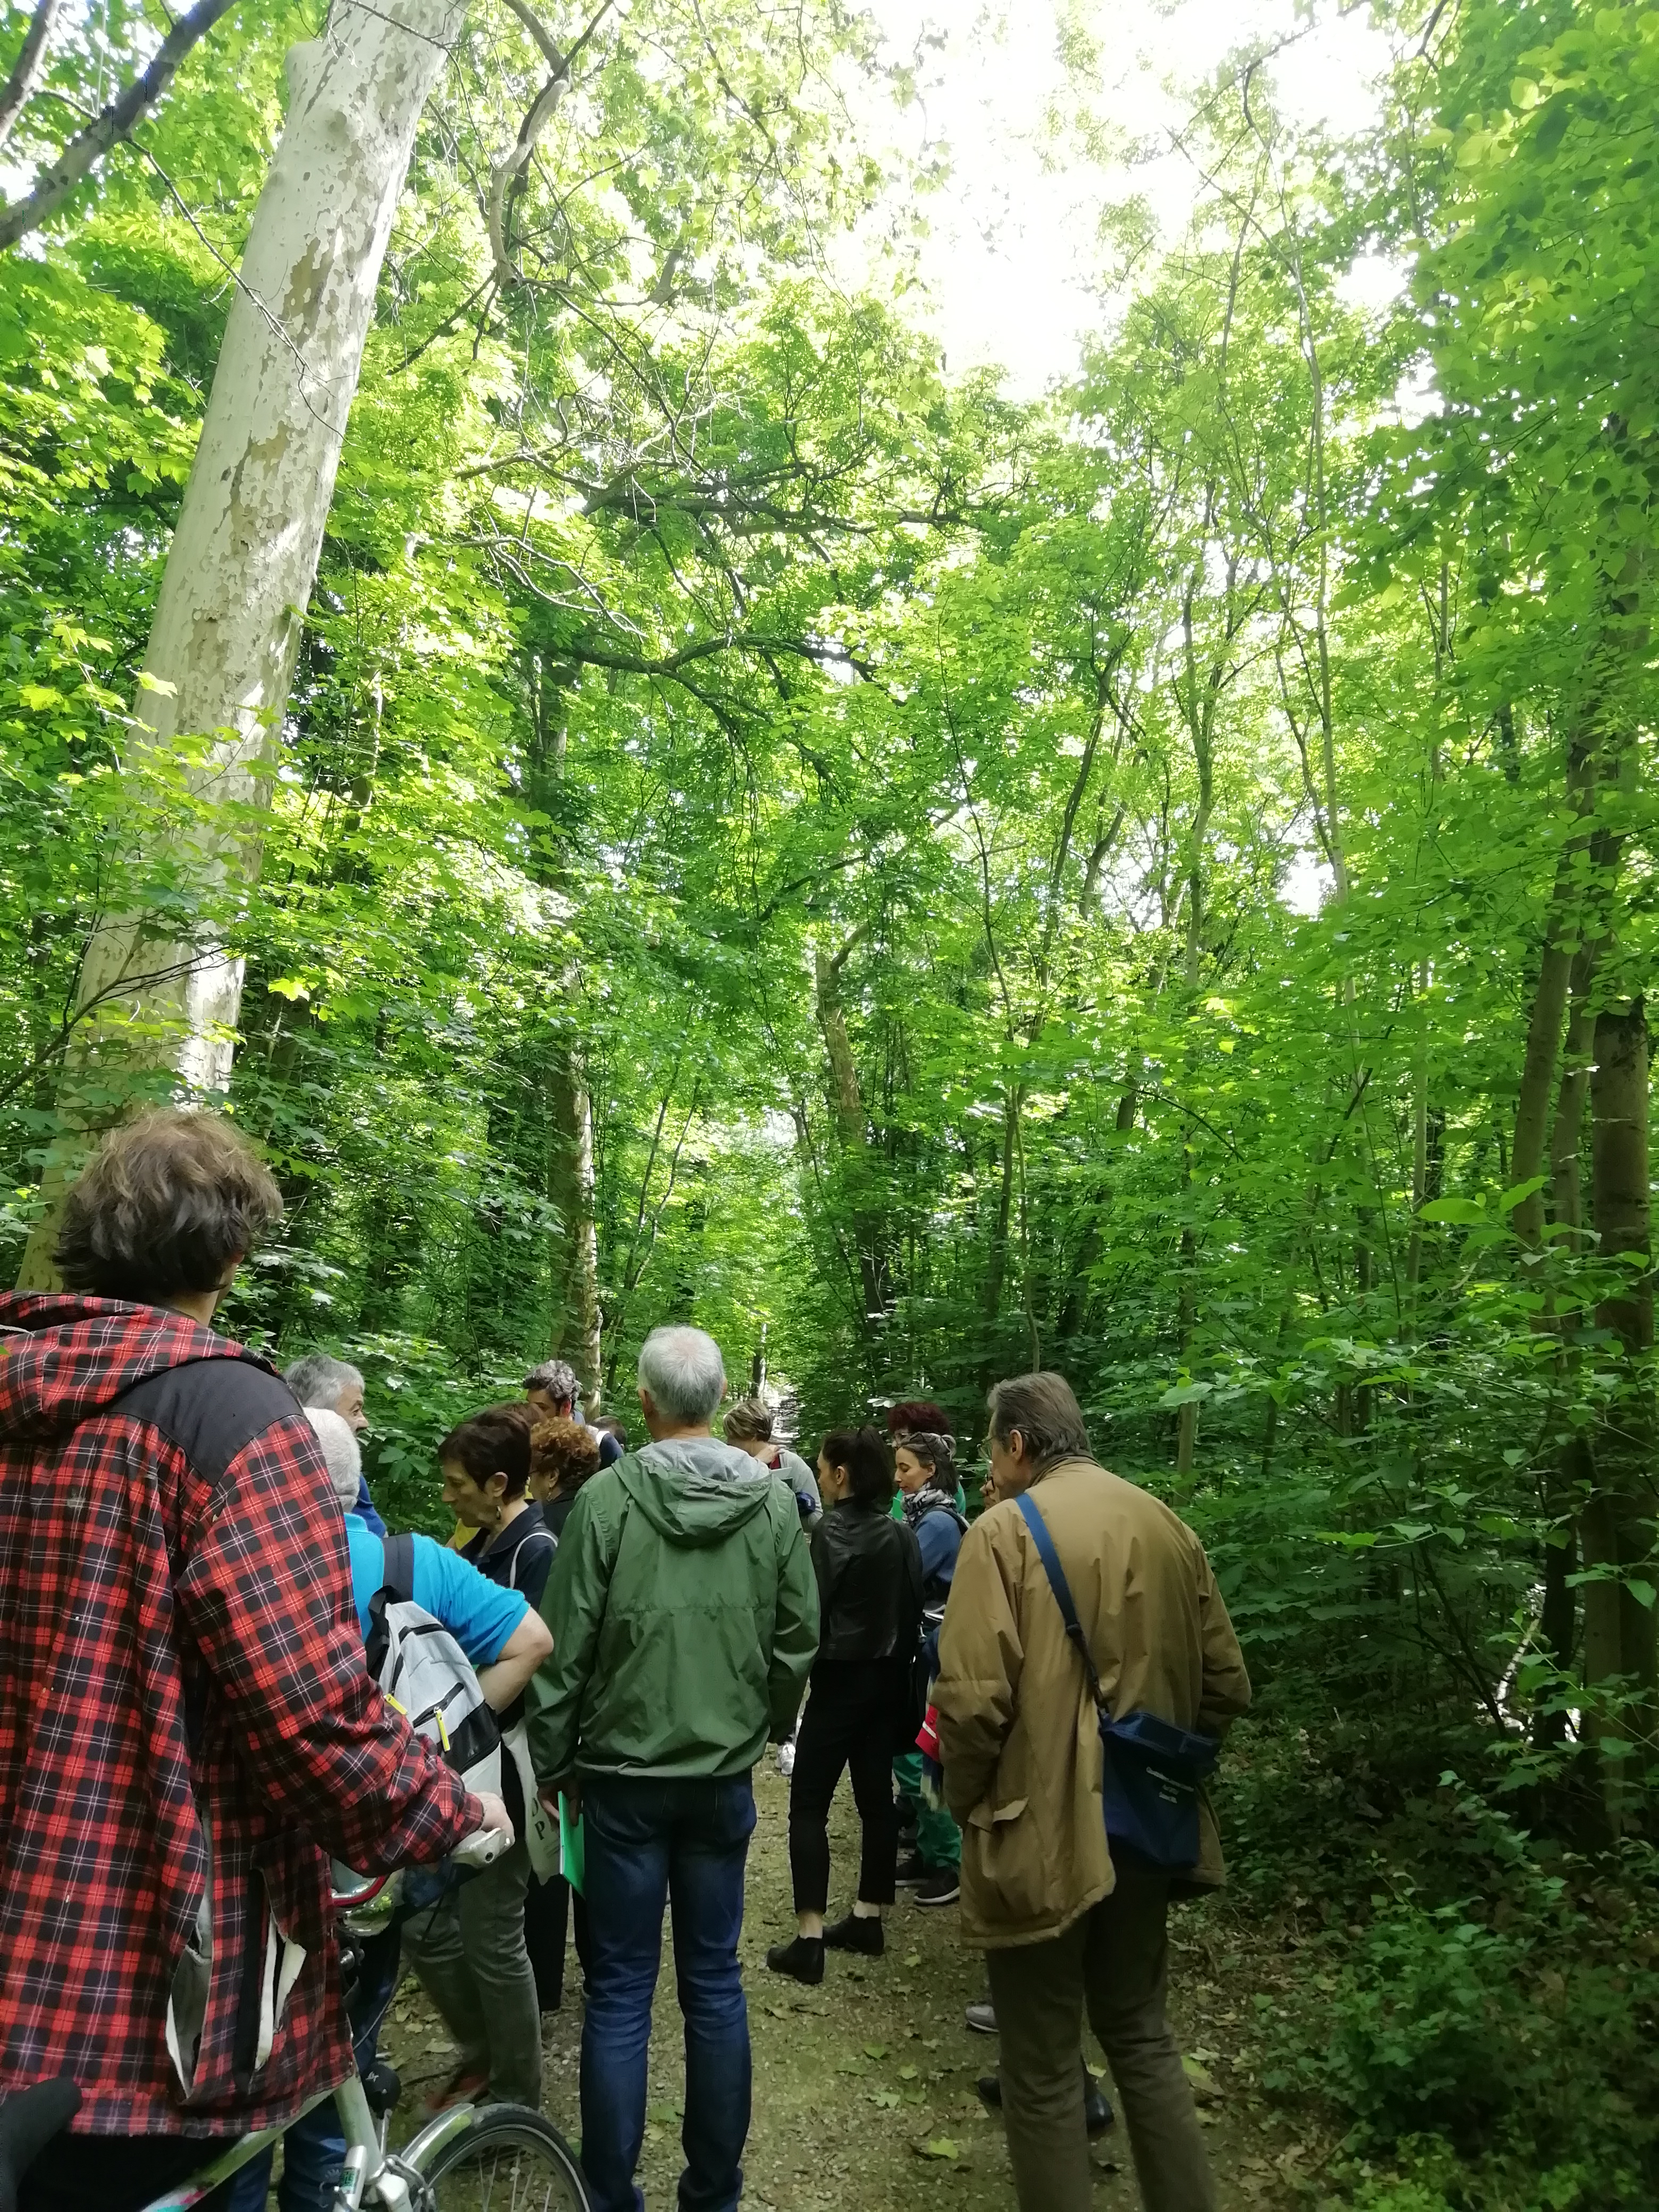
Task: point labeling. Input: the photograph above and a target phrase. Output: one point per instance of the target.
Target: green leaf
(1522, 1190)
(1462, 1213)
(1552, 126)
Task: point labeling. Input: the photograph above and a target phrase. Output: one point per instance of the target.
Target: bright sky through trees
(1012, 259)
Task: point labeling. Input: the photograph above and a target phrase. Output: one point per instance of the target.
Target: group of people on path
(189, 1565)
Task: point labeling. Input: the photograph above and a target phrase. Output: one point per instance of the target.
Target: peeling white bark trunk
(161, 1011)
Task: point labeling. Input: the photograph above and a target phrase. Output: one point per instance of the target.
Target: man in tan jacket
(1063, 1919)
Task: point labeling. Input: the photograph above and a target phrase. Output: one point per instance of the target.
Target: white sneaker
(786, 1759)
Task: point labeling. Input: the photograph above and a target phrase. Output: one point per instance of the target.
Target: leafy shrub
(1419, 2017)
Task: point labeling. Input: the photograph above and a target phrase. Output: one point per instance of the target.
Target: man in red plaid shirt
(187, 1729)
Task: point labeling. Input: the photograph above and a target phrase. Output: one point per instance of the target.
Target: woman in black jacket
(861, 1709)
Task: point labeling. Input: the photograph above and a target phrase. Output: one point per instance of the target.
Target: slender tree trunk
(847, 1107)
(161, 1004)
(577, 1320)
(1549, 1006)
(1618, 1523)
(996, 1270)
(1568, 1479)
(1187, 1415)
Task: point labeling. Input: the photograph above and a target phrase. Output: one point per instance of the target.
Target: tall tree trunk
(577, 1320)
(1187, 1415)
(996, 1270)
(1617, 1526)
(159, 1004)
(1568, 1479)
(853, 1136)
(1549, 1006)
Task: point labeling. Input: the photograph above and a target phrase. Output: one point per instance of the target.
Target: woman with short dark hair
(486, 1469)
(861, 1709)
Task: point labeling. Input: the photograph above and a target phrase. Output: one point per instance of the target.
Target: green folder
(570, 1845)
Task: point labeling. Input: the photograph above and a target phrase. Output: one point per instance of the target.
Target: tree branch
(26, 72)
(540, 115)
(54, 186)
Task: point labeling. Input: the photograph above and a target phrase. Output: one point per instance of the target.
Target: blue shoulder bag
(1151, 1770)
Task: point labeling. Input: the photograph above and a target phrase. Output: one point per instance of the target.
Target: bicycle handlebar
(483, 1847)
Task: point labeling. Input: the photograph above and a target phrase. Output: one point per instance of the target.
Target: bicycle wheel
(509, 2159)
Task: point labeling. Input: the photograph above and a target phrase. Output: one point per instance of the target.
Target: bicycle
(488, 2158)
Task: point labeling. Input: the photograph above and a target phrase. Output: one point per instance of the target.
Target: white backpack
(424, 1673)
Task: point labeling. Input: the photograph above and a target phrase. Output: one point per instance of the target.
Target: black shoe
(941, 1886)
(1098, 2117)
(1097, 2114)
(803, 1958)
(859, 1932)
(981, 2017)
(911, 1872)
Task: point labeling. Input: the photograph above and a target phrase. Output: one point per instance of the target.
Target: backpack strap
(1062, 1589)
(399, 1568)
(528, 1541)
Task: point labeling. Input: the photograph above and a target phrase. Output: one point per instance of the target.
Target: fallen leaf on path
(937, 2147)
(1207, 2090)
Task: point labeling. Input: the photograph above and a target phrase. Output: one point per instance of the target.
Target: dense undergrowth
(1472, 2018)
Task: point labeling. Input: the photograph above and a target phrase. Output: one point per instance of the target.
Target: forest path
(855, 2080)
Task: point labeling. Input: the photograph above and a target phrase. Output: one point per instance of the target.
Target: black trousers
(115, 2173)
(854, 1718)
(550, 1910)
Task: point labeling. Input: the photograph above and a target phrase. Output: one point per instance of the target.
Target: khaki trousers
(469, 1954)
(1113, 1960)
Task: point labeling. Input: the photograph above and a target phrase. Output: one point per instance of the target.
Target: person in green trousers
(924, 1460)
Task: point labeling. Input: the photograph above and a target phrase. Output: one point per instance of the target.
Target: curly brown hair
(562, 1454)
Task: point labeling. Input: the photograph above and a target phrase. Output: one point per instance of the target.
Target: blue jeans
(313, 2149)
(650, 1842)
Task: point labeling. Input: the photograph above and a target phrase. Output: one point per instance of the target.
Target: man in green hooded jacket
(684, 1614)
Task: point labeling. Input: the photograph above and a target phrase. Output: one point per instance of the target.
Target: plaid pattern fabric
(181, 1687)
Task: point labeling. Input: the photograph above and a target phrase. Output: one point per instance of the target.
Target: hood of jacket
(66, 1356)
(695, 1490)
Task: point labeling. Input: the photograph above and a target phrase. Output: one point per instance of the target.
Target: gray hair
(339, 1442)
(683, 1374)
(1043, 1411)
(317, 1380)
(557, 1378)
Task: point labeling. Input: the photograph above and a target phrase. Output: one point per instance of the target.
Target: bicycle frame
(372, 2174)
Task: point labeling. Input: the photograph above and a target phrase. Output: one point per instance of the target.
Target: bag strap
(398, 1568)
(1062, 1589)
(518, 1551)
